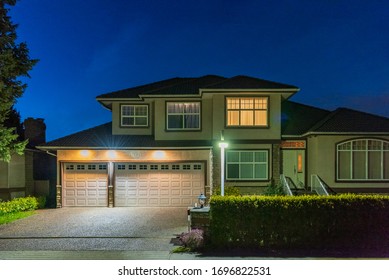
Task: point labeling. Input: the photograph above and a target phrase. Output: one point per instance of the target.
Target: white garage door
(173, 184)
(85, 184)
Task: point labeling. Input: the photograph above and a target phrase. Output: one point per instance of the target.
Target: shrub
(228, 191)
(274, 189)
(18, 205)
(194, 240)
(42, 201)
(299, 221)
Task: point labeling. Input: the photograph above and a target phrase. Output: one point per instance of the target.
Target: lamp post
(223, 145)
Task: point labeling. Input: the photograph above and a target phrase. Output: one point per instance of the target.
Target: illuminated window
(134, 115)
(363, 159)
(247, 165)
(183, 115)
(247, 111)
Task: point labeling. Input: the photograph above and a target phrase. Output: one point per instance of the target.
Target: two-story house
(162, 146)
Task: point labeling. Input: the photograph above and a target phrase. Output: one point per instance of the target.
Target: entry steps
(318, 187)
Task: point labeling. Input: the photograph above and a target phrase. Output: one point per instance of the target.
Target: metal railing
(286, 185)
(318, 185)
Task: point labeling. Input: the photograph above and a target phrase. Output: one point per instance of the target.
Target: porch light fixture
(84, 153)
(222, 145)
(202, 199)
(111, 154)
(159, 155)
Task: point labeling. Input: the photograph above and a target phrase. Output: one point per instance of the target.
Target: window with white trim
(247, 165)
(247, 111)
(183, 115)
(363, 160)
(134, 115)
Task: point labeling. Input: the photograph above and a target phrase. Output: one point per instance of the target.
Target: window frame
(182, 114)
(240, 110)
(365, 153)
(147, 116)
(267, 165)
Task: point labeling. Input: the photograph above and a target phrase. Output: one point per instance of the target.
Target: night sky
(335, 51)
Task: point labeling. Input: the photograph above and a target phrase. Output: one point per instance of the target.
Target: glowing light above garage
(84, 153)
(159, 155)
(111, 154)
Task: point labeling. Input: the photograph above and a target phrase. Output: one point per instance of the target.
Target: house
(162, 146)
(32, 173)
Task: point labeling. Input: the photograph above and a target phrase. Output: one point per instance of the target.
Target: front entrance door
(293, 164)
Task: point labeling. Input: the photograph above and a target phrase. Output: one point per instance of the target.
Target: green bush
(274, 189)
(42, 202)
(228, 191)
(18, 205)
(300, 222)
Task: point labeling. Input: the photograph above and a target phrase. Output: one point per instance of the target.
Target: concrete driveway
(122, 229)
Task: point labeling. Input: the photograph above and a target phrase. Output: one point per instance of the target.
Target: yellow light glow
(84, 153)
(159, 155)
(111, 154)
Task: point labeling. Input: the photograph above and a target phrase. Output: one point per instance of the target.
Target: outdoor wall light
(159, 155)
(111, 154)
(84, 153)
(202, 199)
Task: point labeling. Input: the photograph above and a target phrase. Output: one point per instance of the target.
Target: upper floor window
(363, 159)
(183, 115)
(134, 115)
(247, 111)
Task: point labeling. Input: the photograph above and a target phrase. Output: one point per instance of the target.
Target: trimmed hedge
(299, 221)
(18, 205)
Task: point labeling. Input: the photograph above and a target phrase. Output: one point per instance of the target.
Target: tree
(14, 63)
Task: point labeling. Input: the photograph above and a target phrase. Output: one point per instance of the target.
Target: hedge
(18, 205)
(299, 221)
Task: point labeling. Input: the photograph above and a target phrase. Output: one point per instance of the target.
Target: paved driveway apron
(135, 229)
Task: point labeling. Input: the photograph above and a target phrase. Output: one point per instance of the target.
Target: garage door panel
(83, 187)
(158, 184)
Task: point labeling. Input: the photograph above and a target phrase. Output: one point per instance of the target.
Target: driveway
(64, 229)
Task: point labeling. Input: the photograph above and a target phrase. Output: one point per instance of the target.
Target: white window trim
(134, 116)
(366, 151)
(239, 163)
(182, 114)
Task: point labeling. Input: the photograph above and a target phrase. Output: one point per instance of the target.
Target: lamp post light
(202, 199)
(223, 145)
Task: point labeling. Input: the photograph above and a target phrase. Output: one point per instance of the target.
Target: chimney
(35, 131)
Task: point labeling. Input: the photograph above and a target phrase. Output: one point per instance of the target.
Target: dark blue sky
(335, 51)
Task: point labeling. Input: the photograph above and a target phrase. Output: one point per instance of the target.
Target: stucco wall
(202, 155)
(321, 155)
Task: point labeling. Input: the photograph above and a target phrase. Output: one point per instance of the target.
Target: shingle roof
(245, 82)
(187, 86)
(297, 119)
(348, 120)
(101, 137)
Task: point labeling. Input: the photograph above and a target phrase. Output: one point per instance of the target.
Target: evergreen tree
(14, 63)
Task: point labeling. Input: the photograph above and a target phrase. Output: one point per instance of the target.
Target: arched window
(363, 160)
